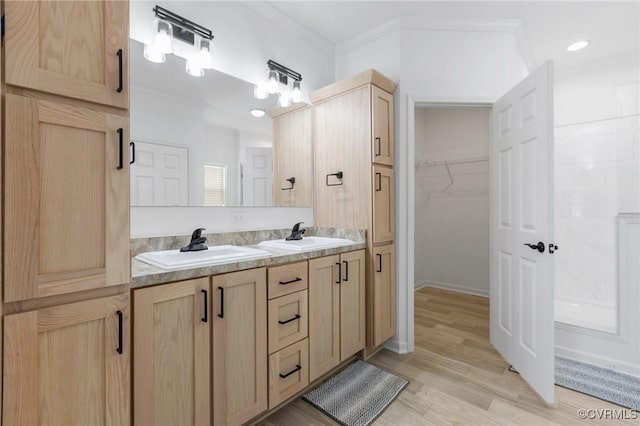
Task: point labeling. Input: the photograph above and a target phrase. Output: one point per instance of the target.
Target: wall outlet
(238, 217)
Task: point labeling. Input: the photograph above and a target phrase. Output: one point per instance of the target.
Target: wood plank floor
(456, 377)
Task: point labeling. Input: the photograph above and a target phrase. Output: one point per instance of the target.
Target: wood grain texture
(240, 371)
(364, 78)
(172, 361)
(383, 205)
(283, 362)
(63, 367)
(352, 304)
(292, 157)
(283, 309)
(384, 293)
(456, 377)
(382, 126)
(284, 274)
(44, 52)
(67, 206)
(324, 316)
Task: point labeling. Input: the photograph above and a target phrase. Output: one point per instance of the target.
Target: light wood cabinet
(287, 279)
(172, 344)
(292, 150)
(288, 320)
(383, 205)
(77, 49)
(382, 123)
(384, 293)
(68, 365)
(288, 372)
(336, 310)
(239, 346)
(66, 214)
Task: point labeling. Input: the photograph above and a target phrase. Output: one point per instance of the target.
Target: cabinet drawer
(288, 372)
(287, 279)
(288, 320)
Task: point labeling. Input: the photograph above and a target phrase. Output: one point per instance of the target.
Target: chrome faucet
(296, 232)
(197, 242)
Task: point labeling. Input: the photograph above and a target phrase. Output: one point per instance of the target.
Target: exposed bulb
(154, 55)
(284, 100)
(296, 93)
(193, 67)
(260, 91)
(272, 85)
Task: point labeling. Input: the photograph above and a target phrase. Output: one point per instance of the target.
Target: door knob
(539, 246)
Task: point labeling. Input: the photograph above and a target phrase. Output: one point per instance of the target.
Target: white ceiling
(612, 26)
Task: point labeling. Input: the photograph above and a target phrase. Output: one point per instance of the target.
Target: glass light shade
(193, 67)
(154, 55)
(284, 100)
(296, 94)
(260, 91)
(204, 53)
(257, 113)
(272, 85)
(163, 36)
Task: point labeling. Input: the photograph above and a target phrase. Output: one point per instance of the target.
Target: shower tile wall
(597, 176)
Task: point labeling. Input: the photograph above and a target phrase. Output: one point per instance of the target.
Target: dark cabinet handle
(205, 317)
(379, 186)
(132, 145)
(295, 280)
(339, 273)
(120, 147)
(338, 175)
(119, 348)
(378, 147)
(297, 317)
(284, 376)
(221, 314)
(292, 181)
(379, 263)
(120, 71)
(346, 270)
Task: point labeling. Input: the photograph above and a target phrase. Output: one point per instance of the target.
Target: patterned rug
(602, 383)
(357, 395)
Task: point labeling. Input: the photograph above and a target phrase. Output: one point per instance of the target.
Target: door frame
(404, 340)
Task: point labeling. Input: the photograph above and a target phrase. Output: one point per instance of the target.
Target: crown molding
(283, 20)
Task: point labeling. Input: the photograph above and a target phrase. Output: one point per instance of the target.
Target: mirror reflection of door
(257, 177)
(160, 175)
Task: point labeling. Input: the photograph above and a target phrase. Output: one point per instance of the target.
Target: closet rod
(428, 163)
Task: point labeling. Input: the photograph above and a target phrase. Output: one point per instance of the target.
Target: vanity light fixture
(168, 26)
(257, 112)
(278, 83)
(578, 45)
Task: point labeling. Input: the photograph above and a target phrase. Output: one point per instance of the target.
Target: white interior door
(257, 179)
(522, 293)
(160, 175)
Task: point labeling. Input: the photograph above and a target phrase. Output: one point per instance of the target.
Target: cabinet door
(324, 315)
(352, 310)
(384, 294)
(68, 365)
(292, 153)
(341, 141)
(69, 48)
(383, 205)
(171, 365)
(239, 346)
(382, 121)
(66, 199)
(288, 372)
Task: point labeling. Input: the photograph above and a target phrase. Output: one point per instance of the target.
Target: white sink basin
(306, 243)
(214, 255)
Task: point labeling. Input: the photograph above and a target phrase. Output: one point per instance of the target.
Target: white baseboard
(396, 346)
(600, 361)
(453, 287)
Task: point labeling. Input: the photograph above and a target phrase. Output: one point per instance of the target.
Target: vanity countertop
(143, 275)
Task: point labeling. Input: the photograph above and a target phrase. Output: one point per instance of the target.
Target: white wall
(452, 221)
(431, 62)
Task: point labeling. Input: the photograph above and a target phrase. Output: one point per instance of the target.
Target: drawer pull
(221, 314)
(119, 348)
(346, 270)
(379, 150)
(120, 147)
(120, 71)
(298, 368)
(290, 319)
(339, 272)
(205, 318)
(379, 262)
(295, 280)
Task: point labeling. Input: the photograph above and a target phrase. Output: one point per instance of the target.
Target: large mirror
(197, 142)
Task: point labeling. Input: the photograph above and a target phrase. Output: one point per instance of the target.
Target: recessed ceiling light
(257, 113)
(578, 45)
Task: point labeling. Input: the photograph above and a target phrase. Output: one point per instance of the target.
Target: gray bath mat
(357, 395)
(602, 383)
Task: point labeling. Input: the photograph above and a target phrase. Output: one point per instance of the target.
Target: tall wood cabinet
(65, 213)
(353, 138)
